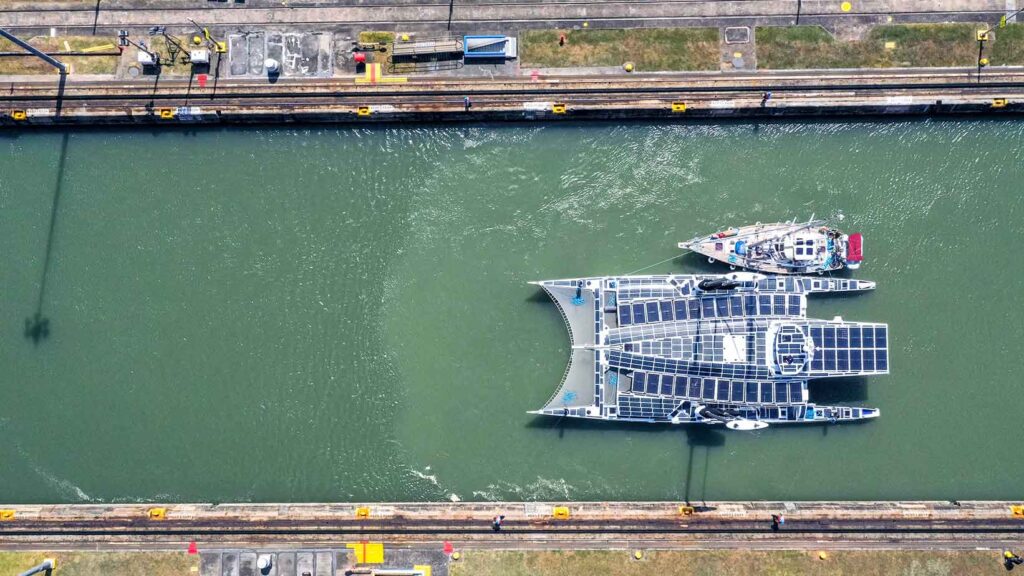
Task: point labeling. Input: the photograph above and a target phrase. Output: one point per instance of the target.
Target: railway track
(514, 88)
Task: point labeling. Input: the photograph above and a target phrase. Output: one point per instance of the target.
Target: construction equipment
(214, 44)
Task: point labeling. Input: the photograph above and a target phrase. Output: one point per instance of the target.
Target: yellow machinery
(214, 44)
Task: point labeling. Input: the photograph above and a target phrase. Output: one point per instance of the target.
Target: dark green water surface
(343, 314)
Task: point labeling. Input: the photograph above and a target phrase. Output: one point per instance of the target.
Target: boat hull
(781, 248)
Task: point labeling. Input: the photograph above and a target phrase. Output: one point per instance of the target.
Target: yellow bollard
(982, 36)
(846, 6)
(6, 515)
(822, 555)
(999, 102)
(19, 115)
(166, 114)
(363, 511)
(363, 111)
(679, 106)
(561, 513)
(157, 513)
(558, 108)
(638, 555)
(1017, 511)
(686, 510)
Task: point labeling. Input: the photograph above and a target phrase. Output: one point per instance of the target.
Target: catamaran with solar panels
(734, 349)
(782, 248)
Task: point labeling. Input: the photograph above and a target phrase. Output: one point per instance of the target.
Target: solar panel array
(717, 389)
(709, 307)
(849, 348)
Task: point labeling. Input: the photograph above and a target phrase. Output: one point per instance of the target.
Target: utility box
(147, 58)
(199, 56)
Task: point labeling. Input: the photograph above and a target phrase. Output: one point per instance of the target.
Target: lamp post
(451, 9)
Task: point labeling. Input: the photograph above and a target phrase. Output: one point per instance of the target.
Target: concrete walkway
(508, 16)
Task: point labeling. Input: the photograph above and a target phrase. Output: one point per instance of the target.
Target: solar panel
(750, 305)
(764, 304)
(708, 306)
(781, 392)
(638, 314)
(694, 388)
(780, 305)
(855, 337)
(830, 337)
(842, 337)
(766, 392)
(639, 381)
(880, 337)
(855, 360)
(751, 392)
(666, 309)
(869, 361)
(843, 359)
(722, 306)
(737, 392)
(680, 386)
(625, 318)
(794, 306)
(817, 337)
(666, 385)
(736, 305)
(680, 309)
(652, 383)
(708, 389)
(795, 392)
(694, 306)
(830, 360)
(881, 359)
(869, 335)
(652, 311)
(723, 391)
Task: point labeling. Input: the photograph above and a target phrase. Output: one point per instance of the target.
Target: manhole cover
(737, 35)
(134, 71)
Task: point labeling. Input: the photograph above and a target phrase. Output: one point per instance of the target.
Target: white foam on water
(432, 478)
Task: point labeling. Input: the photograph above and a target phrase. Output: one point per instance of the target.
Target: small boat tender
(782, 248)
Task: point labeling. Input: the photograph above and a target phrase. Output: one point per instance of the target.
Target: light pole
(451, 9)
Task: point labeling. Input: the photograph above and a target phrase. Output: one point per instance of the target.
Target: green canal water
(343, 314)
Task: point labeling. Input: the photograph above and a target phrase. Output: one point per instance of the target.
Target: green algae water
(343, 313)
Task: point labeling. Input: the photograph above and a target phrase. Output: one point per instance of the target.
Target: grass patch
(1008, 46)
(914, 45)
(648, 49)
(379, 37)
(29, 64)
(723, 563)
(103, 563)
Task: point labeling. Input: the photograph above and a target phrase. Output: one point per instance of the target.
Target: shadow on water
(838, 390)
(700, 438)
(37, 327)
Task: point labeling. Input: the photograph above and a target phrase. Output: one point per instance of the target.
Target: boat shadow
(838, 390)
